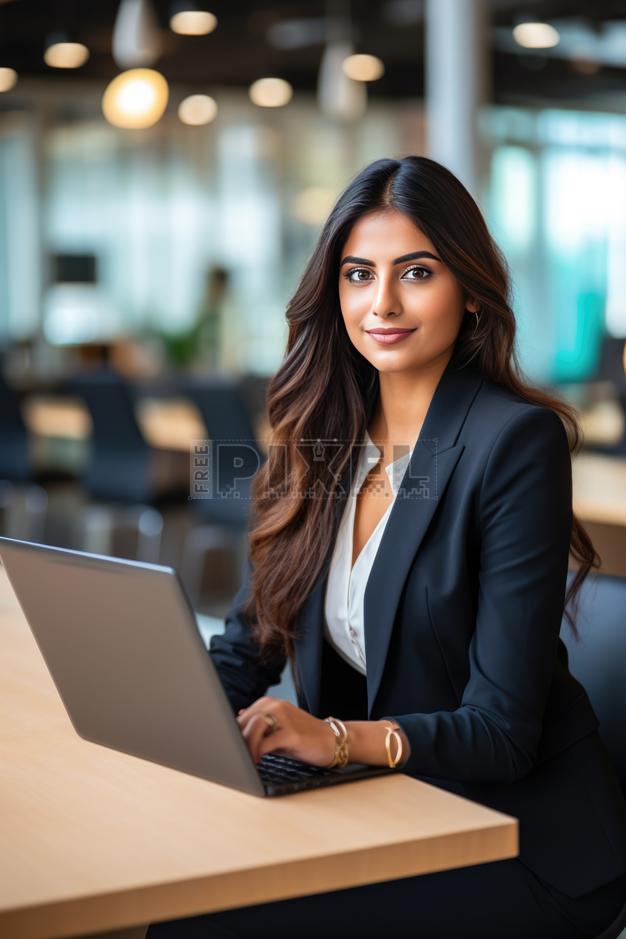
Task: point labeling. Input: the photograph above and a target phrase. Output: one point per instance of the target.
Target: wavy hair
(291, 534)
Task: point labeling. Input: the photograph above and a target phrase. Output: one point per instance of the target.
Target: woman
(432, 600)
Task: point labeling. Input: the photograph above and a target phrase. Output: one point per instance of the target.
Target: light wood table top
(95, 840)
(599, 485)
(167, 423)
(171, 423)
(602, 422)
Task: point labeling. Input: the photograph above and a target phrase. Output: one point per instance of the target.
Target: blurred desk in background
(167, 423)
(602, 422)
(599, 488)
(60, 425)
(600, 503)
(173, 423)
(599, 481)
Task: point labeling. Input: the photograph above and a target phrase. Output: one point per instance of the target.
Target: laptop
(122, 646)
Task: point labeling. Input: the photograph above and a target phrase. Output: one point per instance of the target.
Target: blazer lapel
(423, 485)
(405, 529)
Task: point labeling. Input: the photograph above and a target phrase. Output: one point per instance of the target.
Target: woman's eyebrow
(413, 256)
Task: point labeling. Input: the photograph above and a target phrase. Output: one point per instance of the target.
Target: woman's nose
(386, 301)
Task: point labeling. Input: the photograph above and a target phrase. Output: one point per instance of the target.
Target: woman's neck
(403, 402)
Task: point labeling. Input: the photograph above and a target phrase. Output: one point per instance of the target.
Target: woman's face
(390, 277)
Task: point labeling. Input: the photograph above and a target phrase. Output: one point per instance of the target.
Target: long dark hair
(291, 533)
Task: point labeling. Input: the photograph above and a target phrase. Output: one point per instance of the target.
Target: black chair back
(235, 453)
(14, 458)
(118, 468)
(598, 660)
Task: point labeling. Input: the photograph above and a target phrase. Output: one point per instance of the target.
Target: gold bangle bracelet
(393, 731)
(340, 731)
(390, 760)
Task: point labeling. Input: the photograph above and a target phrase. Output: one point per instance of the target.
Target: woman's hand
(296, 734)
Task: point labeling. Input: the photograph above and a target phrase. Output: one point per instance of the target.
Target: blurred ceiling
(286, 37)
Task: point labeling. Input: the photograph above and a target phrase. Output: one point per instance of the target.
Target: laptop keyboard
(281, 773)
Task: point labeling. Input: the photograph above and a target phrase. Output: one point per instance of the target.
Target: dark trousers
(501, 899)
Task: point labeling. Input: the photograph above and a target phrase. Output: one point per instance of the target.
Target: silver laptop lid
(121, 643)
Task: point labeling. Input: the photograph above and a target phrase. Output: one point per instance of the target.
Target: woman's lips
(387, 339)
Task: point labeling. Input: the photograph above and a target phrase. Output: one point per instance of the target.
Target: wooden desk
(95, 840)
(171, 424)
(599, 485)
(167, 423)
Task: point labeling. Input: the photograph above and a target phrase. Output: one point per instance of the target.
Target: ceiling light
(189, 19)
(136, 98)
(136, 37)
(60, 53)
(8, 78)
(363, 68)
(340, 98)
(535, 35)
(270, 92)
(197, 109)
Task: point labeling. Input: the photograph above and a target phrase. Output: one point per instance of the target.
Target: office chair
(119, 464)
(126, 478)
(234, 458)
(24, 496)
(234, 450)
(598, 661)
(15, 463)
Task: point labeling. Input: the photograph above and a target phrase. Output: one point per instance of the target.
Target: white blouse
(343, 606)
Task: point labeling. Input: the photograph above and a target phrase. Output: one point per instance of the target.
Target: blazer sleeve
(245, 674)
(525, 516)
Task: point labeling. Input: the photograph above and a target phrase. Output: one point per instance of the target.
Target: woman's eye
(419, 270)
(421, 273)
(356, 270)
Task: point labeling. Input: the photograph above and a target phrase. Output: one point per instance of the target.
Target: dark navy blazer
(462, 613)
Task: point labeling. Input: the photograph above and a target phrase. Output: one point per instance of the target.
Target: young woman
(416, 575)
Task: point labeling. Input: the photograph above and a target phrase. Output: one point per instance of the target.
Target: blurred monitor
(612, 368)
(612, 361)
(74, 268)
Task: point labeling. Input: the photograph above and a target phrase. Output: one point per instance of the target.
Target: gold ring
(271, 722)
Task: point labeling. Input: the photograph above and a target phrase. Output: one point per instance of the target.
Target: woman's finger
(264, 707)
(248, 713)
(264, 704)
(255, 729)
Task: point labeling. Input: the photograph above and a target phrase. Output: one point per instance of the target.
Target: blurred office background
(154, 224)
